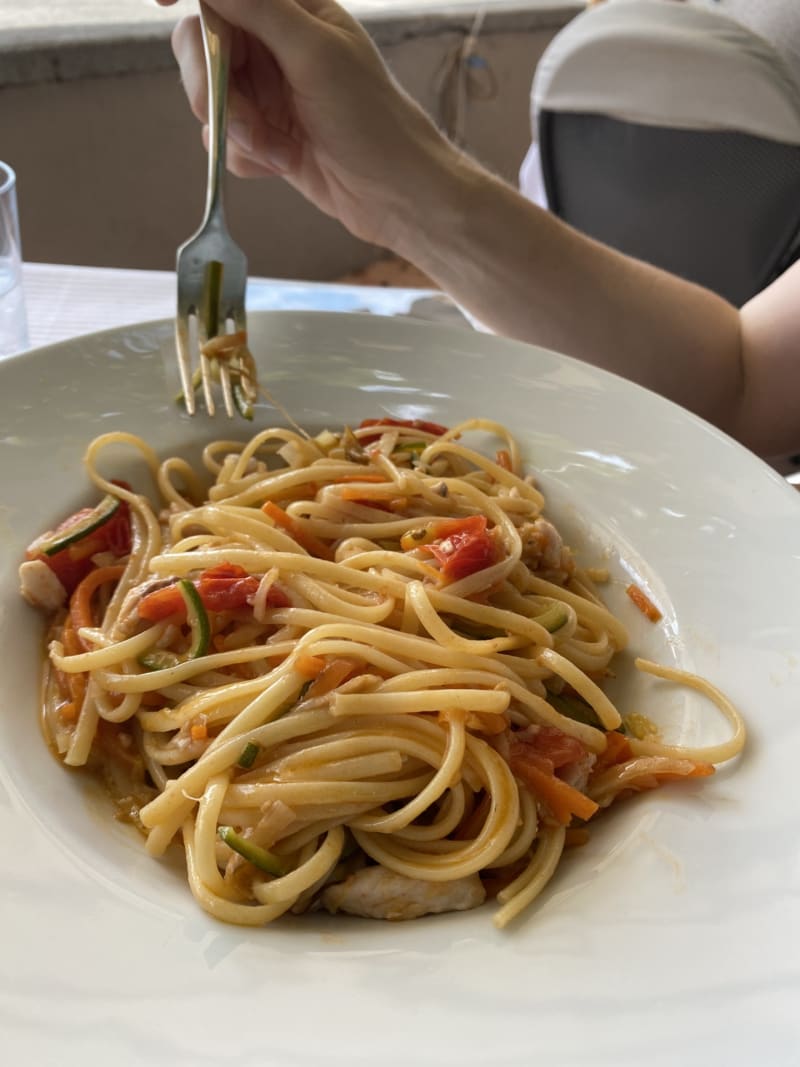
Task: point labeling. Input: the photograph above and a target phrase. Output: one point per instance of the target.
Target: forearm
(344, 134)
(527, 275)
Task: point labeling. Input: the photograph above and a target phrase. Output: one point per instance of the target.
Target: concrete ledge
(64, 50)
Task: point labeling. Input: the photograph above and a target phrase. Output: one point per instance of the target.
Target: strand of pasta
(488, 701)
(110, 654)
(219, 907)
(296, 794)
(315, 869)
(475, 854)
(721, 753)
(596, 616)
(205, 834)
(80, 745)
(152, 681)
(253, 724)
(583, 685)
(521, 630)
(417, 737)
(450, 814)
(214, 703)
(447, 772)
(185, 471)
(523, 890)
(522, 842)
(386, 756)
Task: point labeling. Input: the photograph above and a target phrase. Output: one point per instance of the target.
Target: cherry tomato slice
(226, 587)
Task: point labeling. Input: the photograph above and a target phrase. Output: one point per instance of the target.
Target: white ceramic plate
(671, 938)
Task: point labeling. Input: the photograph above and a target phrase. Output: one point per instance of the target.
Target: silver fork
(211, 268)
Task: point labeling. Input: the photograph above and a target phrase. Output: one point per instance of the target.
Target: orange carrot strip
(199, 731)
(576, 837)
(699, 770)
(562, 799)
(306, 491)
(309, 666)
(357, 495)
(346, 478)
(617, 750)
(74, 684)
(353, 492)
(80, 605)
(68, 712)
(70, 639)
(152, 700)
(504, 459)
(306, 540)
(332, 675)
(644, 603)
(471, 826)
(487, 723)
(484, 722)
(432, 572)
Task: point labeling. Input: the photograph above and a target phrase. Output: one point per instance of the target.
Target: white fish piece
(40, 586)
(377, 893)
(543, 543)
(577, 773)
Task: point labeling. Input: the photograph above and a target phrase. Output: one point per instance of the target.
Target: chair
(672, 133)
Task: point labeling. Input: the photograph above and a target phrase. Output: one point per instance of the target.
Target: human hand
(311, 99)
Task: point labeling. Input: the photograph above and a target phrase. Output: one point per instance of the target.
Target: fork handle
(217, 48)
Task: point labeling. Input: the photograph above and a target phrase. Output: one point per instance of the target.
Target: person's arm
(527, 275)
(312, 100)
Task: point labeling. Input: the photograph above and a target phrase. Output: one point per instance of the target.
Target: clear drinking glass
(13, 318)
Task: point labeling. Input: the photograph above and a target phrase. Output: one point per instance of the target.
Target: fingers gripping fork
(211, 323)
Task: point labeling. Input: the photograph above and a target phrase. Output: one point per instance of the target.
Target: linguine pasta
(360, 672)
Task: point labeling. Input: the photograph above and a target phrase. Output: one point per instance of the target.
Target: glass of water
(13, 319)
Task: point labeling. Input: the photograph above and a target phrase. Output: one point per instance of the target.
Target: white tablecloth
(65, 301)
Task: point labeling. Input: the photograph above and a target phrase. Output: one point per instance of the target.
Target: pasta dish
(358, 672)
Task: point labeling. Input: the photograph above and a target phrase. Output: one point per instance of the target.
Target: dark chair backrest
(718, 207)
(666, 156)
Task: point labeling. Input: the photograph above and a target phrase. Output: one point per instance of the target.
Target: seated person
(311, 100)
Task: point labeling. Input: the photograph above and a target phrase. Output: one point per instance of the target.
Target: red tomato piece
(463, 546)
(70, 572)
(276, 598)
(226, 587)
(408, 424)
(472, 524)
(547, 746)
(73, 563)
(117, 531)
(161, 604)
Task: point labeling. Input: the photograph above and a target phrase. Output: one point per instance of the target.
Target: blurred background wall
(112, 171)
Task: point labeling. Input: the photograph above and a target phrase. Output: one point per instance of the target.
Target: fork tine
(205, 377)
(211, 268)
(184, 361)
(227, 391)
(247, 381)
